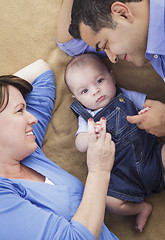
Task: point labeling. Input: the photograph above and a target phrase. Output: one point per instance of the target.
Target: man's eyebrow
(97, 47)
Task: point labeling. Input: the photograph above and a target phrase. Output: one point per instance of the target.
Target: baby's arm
(81, 141)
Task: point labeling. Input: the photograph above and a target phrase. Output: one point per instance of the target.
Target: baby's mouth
(100, 99)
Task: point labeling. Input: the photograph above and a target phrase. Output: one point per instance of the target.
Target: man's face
(126, 42)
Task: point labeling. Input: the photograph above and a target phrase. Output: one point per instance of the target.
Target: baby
(139, 158)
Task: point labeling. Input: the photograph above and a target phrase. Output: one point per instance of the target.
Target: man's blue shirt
(156, 37)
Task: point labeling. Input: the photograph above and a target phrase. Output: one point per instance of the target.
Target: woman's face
(16, 136)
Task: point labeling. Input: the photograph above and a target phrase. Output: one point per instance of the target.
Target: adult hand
(153, 120)
(98, 128)
(101, 150)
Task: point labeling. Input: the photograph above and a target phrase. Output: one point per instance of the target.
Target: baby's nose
(95, 91)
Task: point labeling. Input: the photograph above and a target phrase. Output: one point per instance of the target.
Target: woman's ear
(119, 9)
(73, 96)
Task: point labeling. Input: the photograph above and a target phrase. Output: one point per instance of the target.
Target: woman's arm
(40, 102)
(33, 70)
(64, 21)
(100, 159)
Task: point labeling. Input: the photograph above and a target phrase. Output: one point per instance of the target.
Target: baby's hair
(80, 61)
(5, 80)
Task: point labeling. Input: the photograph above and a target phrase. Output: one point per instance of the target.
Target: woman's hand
(101, 150)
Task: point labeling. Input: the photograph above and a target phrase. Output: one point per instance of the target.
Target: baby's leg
(121, 207)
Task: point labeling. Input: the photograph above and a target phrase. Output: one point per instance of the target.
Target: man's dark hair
(94, 13)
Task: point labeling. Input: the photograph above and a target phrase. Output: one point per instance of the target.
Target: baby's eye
(84, 91)
(100, 80)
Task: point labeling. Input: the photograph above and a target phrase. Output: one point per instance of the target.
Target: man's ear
(119, 9)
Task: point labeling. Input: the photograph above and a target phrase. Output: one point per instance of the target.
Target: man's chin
(140, 63)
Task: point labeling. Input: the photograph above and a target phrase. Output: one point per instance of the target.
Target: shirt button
(156, 56)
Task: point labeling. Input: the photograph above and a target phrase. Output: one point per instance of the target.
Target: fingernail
(103, 118)
(90, 119)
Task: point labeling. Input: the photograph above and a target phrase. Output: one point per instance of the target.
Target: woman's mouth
(29, 133)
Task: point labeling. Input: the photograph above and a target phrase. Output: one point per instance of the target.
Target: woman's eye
(84, 91)
(20, 110)
(100, 80)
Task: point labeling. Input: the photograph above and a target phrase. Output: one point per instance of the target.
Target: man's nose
(112, 57)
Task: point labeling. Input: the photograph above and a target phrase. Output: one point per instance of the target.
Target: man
(131, 30)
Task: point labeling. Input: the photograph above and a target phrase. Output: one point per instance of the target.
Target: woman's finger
(103, 130)
(91, 131)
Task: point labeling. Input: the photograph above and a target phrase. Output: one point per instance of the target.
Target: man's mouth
(125, 57)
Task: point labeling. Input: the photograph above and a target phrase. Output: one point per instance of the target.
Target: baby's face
(92, 84)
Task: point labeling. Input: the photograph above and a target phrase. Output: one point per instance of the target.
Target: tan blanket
(28, 32)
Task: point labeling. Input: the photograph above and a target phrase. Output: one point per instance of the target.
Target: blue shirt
(75, 47)
(156, 37)
(37, 210)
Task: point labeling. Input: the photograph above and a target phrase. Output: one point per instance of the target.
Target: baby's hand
(144, 110)
(98, 127)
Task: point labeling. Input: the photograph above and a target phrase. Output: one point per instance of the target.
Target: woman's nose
(112, 57)
(32, 119)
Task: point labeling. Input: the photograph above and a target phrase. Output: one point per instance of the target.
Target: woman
(38, 199)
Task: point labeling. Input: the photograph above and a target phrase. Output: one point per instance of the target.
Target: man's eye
(104, 47)
(100, 80)
(84, 91)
